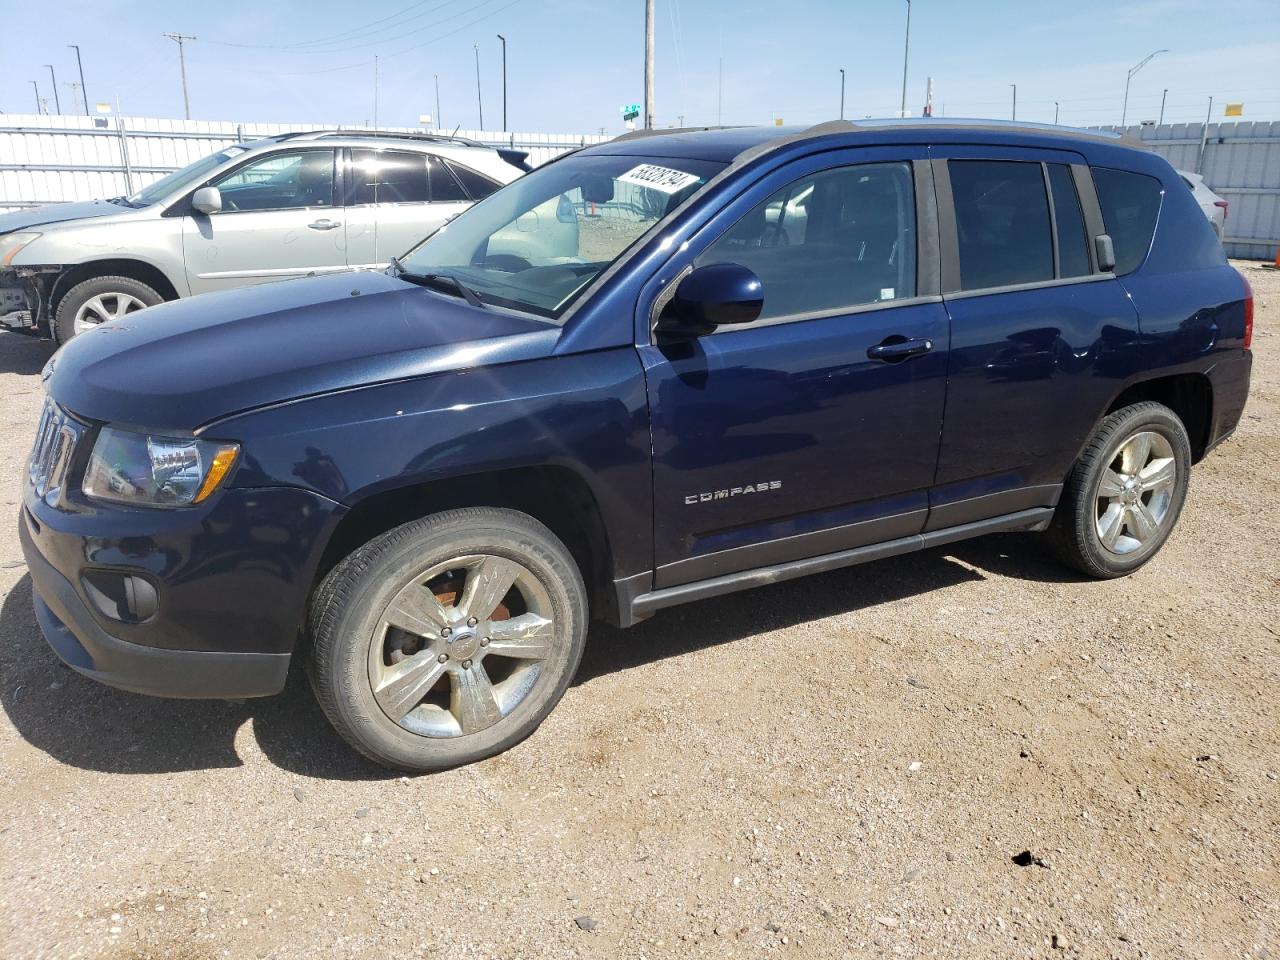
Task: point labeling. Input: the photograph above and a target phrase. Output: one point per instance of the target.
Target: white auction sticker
(662, 179)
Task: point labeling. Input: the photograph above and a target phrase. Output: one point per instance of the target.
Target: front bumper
(231, 586)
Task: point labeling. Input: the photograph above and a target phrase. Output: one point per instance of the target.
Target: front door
(814, 429)
(280, 218)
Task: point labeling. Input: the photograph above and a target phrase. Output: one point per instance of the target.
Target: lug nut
(484, 641)
(446, 631)
(443, 658)
(466, 664)
(472, 621)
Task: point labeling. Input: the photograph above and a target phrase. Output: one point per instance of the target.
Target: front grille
(56, 440)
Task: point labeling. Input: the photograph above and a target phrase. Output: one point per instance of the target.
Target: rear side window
(1130, 204)
(385, 176)
(1002, 222)
(832, 240)
(477, 185)
(1073, 250)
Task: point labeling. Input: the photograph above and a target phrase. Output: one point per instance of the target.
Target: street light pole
(1015, 100)
(504, 82)
(1055, 113)
(36, 87)
(479, 99)
(83, 91)
(1124, 113)
(439, 122)
(53, 80)
(842, 93)
(180, 39)
(1164, 96)
(906, 47)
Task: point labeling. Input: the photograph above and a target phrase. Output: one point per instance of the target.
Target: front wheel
(1125, 493)
(95, 301)
(448, 639)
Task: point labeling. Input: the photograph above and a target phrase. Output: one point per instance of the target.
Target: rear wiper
(437, 281)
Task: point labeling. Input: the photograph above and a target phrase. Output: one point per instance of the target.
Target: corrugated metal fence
(49, 159)
(1241, 163)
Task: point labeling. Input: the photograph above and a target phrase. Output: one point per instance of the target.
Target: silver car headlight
(12, 243)
(151, 471)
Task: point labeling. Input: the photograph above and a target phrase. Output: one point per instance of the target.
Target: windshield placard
(662, 179)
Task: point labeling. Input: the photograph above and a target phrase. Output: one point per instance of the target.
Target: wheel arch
(130, 267)
(1189, 395)
(556, 496)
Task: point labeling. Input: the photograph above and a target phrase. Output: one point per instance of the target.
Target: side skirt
(645, 605)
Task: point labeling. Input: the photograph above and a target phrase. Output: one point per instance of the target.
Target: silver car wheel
(1135, 492)
(103, 307)
(461, 645)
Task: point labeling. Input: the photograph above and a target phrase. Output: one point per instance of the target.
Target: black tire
(1074, 531)
(348, 609)
(64, 321)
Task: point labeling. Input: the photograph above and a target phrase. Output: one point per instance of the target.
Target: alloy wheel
(103, 307)
(1135, 492)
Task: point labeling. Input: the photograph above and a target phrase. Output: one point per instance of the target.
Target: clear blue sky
(572, 63)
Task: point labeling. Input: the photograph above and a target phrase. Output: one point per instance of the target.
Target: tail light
(1248, 312)
(1223, 204)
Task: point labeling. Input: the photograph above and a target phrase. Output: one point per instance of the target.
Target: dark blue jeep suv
(663, 368)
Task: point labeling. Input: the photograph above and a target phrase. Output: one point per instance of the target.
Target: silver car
(286, 206)
(1214, 207)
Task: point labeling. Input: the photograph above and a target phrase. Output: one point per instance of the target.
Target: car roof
(729, 144)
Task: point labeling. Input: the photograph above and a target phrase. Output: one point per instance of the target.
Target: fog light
(120, 596)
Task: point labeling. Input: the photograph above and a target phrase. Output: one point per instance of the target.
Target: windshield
(181, 179)
(536, 243)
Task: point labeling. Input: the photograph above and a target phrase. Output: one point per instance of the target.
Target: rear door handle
(896, 348)
(325, 225)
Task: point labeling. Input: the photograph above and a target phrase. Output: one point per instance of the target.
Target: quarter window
(280, 181)
(1130, 203)
(1002, 223)
(445, 187)
(1073, 249)
(836, 239)
(476, 185)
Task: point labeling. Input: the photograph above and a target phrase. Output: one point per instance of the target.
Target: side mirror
(207, 200)
(1106, 251)
(712, 296)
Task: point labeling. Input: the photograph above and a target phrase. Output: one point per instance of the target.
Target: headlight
(143, 470)
(11, 243)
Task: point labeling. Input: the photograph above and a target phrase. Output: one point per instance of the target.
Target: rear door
(281, 217)
(1040, 338)
(396, 198)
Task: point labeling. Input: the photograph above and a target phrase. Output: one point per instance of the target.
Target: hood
(59, 213)
(183, 364)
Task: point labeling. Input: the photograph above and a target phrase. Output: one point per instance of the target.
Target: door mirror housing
(1106, 251)
(715, 295)
(207, 200)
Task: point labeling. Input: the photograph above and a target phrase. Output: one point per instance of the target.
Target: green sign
(631, 111)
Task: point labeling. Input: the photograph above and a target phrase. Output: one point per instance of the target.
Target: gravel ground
(844, 766)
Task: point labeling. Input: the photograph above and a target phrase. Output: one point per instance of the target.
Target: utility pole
(83, 92)
(1163, 97)
(1055, 113)
(375, 91)
(1204, 137)
(720, 95)
(842, 93)
(906, 47)
(1015, 100)
(36, 87)
(504, 82)
(53, 81)
(1124, 113)
(479, 100)
(180, 39)
(648, 65)
(439, 122)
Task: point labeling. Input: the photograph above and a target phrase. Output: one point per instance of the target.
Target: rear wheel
(448, 639)
(95, 301)
(1125, 493)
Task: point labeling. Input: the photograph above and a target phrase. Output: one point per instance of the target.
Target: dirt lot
(843, 766)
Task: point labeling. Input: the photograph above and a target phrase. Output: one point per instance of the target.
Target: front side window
(1002, 223)
(280, 181)
(1130, 203)
(538, 242)
(829, 241)
(188, 176)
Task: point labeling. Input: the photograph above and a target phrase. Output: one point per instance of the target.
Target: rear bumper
(90, 650)
(1230, 379)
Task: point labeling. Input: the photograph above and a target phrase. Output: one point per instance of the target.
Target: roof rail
(652, 132)
(382, 134)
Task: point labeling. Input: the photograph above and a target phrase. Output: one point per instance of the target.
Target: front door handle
(896, 348)
(325, 225)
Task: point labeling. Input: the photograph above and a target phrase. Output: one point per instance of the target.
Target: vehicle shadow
(23, 354)
(87, 725)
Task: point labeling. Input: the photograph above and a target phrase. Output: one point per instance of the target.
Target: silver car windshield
(537, 243)
(181, 179)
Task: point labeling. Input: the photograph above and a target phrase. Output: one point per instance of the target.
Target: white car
(1214, 207)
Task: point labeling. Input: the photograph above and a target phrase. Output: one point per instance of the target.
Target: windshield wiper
(121, 201)
(438, 281)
